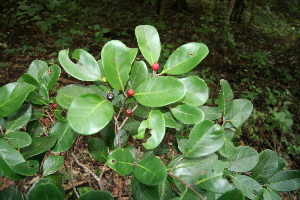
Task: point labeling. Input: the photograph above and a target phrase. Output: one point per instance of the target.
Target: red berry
(54, 105)
(130, 92)
(128, 112)
(155, 66)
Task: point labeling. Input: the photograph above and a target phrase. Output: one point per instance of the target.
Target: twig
(88, 170)
(72, 181)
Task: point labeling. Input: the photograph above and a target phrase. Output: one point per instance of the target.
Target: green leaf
(239, 112)
(11, 194)
(98, 149)
(108, 135)
(205, 138)
(149, 42)
(18, 139)
(39, 97)
(151, 171)
(132, 53)
(211, 113)
(196, 91)
(12, 97)
(52, 164)
(9, 158)
(170, 120)
(66, 94)
(156, 123)
(211, 178)
(286, 180)
(19, 118)
(185, 58)
(56, 178)
(270, 195)
(188, 114)
(244, 160)
(86, 69)
(39, 145)
(50, 76)
(232, 195)
(89, 113)
(266, 166)
(225, 97)
(27, 168)
(116, 63)
(160, 191)
(159, 91)
(45, 188)
(228, 149)
(37, 69)
(123, 137)
(59, 112)
(65, 136)
(27, 78)
(138, 75)
(96, 194)
(121, 161)
(246, 184)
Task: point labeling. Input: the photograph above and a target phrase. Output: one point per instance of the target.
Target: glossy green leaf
(46, 189)
(211, 178)
(149, 42)
(132, 54)
(160, 191)
(225, 97)
(211, 113)
(56, 178)
(66, 94)
(18, 139)
(196, 91)
(159, 91)
(108, 135)
(27, 168)
(65, 136)
(246, 184)
(151, 171)
(156, 123)
(39, 145)
(19, 118)
(185, 58)
(50, 76)
(228, 149)
(89, 113)
(170, 120)
(138, 75)
(86, 69)
(9, 158)
(27, 78)
(98, 149)
(121, 161)
(239, 112)
(188, 114)
(96, 194)
(11, 194)
(244, 160)
(270, 195)
(266, 166)
(116, 63)
(52, 164)
(205, 138)
(286, 180)
(12, 97)
(37, 69)
(40, 97)
(232, 195)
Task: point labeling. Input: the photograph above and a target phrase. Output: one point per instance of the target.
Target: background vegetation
(253, 44)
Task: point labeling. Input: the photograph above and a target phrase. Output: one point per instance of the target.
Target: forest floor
(175, 28)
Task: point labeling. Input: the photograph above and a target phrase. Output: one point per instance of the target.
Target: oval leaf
(188, 114)
(286, 180)
(228, 149)
(232, 195)
(12, 97)
(246, 184)
(86, 69)
(28, 168)
(151, 171)
(19, 119)
(138, 75)
(121, 161)
(205, 138)
(185, 58)
(89, 113)
(37, 69)
(39, 145)
(45, 188)
(159, 91)
(149, 42)
(98, 149)
(51, 76)
(18, 139)
(116, 63)
(239, 112)
(96, 194)
(52, 164)
(196, 91)
(244, 160)
(225, 97)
